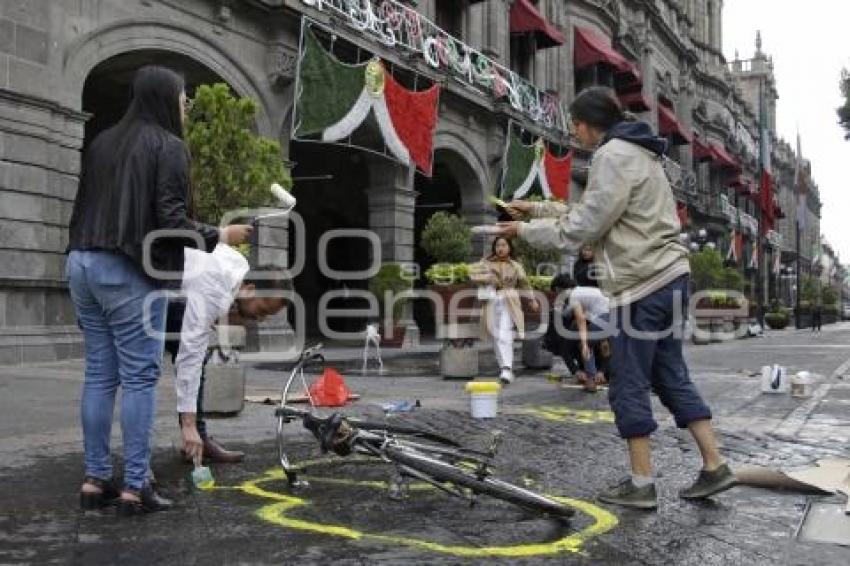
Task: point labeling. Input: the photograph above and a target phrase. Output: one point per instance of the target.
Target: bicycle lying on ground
(416, 454)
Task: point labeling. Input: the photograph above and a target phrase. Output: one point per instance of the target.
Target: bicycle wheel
(445, 472)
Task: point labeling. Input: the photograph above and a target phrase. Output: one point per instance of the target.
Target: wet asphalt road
(561, 442)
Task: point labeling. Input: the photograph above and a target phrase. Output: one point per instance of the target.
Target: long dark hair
(496, 241)
(598, 107)
(155, 100)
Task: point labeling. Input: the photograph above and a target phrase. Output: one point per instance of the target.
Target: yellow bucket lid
(483, 387)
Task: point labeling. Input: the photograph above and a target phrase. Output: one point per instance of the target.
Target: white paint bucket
(802, 384)
(484, 398)
(774, 379)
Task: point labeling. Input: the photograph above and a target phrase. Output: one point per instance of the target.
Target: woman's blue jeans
(123, 326)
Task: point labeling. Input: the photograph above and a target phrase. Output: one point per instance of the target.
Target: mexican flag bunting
(335, 98)
(527, 167)
(731, 254)
(736, 242)
(754, 256)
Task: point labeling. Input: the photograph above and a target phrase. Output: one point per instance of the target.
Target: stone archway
(458, 185)
(469, 170)
(122, 37)
(106, 92)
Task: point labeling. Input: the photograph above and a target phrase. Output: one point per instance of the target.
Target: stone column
(685, 113)
(391, 209)
(476, 23)
(392, 202)
(271, 250)
(498, 38)
(647, 73)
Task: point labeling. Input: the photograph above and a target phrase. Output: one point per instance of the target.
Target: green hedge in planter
(776, 320)
(540, 282)
(447, 238)
(448, 273)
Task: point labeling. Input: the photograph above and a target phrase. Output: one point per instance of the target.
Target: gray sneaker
(626, 493)
(710, 483)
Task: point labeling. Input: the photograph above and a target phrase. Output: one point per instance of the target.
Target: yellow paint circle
(277, 513)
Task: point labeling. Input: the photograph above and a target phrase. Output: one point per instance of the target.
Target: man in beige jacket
(629, 211)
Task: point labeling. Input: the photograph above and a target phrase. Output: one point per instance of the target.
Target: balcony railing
(401, 27)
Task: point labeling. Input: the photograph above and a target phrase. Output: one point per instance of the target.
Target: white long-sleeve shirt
(211, 282)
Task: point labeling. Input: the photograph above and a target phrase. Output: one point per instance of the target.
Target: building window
(449, 16)
(594, 75)
(522, 55)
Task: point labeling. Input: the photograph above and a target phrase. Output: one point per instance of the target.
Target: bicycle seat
(329, 434)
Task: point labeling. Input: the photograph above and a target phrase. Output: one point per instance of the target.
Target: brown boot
(217, 454)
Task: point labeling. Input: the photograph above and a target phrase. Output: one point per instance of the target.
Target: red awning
(591, 49)
(669, 125)
(525, 18)
(702, 151)
(635, 101)
(722, 157)
(740, 184)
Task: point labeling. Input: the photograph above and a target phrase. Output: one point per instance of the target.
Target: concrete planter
(533, 354)
(459, 363)
(459, 356)
(702, 331)
(224, 389)
(468, 302)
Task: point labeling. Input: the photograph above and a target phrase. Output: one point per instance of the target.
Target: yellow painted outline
(277, 514)
(567, 414)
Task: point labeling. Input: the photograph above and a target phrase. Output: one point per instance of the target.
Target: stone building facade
(65, 66)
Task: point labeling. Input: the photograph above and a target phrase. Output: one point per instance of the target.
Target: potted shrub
(448, 241)
(232, 167)
(391, 279)
(719, 313)
(776, 317)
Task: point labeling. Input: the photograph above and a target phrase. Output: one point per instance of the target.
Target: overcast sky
(810, 43)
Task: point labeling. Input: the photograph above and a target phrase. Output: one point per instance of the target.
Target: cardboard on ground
(828, 475)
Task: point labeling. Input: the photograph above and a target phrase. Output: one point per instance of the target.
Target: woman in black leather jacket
(134, 182)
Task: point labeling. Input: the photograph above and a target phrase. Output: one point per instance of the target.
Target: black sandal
(98, 499)
(149, 502)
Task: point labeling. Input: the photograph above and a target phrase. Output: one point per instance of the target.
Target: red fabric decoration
(558, 174)
(330, 390)
(414, 116)
(768, 214)
(682, 213)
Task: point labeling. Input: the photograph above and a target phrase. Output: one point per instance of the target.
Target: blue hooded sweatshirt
(638, 133)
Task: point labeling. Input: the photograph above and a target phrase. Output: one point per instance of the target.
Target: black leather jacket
(121, 200)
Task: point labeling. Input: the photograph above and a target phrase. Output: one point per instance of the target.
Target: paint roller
(284, 199)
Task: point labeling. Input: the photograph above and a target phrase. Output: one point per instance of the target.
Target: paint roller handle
(518, 209)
